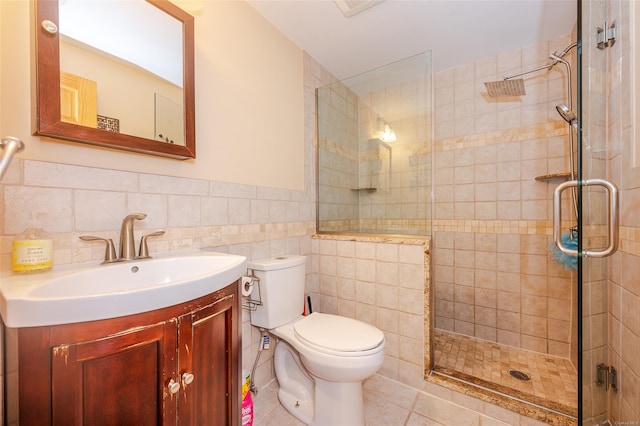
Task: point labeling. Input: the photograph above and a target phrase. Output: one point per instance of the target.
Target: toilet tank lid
(274, 263)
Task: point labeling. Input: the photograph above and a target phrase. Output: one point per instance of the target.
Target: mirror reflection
(140, 98)
(121, 68)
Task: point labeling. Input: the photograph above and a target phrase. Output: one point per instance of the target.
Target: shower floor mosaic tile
(553, 381)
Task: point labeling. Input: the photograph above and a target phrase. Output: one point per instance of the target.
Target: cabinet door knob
(187, 378)
(173, 386)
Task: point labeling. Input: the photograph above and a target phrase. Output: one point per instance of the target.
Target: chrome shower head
(506, 87)
(568, 115)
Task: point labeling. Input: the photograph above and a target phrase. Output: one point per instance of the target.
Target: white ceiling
(456, 31)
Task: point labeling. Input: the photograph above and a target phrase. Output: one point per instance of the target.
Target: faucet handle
(143, 252)
(110, 251)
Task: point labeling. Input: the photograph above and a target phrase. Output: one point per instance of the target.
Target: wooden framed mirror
(94, 96)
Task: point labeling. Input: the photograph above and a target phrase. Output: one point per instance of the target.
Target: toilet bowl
(320, 359)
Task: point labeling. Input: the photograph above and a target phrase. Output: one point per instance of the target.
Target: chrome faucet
(127, 242)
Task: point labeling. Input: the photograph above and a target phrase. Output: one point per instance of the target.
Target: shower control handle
(613, 215)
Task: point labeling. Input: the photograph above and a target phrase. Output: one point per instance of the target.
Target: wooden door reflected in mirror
(78, 100)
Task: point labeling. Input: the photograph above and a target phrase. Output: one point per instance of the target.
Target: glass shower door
(598, 213)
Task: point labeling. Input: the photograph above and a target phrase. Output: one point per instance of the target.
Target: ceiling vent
(352, 7)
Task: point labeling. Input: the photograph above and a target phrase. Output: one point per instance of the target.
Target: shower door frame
(593, 276)
(580, 273)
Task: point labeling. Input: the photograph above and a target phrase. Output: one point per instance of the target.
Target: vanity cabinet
(173, 366)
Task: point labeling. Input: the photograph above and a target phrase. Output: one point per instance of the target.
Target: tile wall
(338, 158)
(252, 221)
(399, 170)
(367, 184)
(383, 282)
(494, 275)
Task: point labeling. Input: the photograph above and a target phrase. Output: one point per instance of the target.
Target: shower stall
(475, 167)
(476, 174)
(505, 307)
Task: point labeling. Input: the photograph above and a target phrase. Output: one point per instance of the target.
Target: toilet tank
(281, 290)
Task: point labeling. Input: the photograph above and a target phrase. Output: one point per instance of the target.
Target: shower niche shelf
(365, 189)
(554, 177)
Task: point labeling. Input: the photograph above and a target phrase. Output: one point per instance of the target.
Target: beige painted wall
(137, 114)
(244, 67)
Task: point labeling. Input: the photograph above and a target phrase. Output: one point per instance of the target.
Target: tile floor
(553, 379)
(389, 403)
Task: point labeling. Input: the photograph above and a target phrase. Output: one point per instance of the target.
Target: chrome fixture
(10, 146)
(607, 375)
(568, 115)
(506, 87)
(143, 251)
(564, 51)
(606, 36)
(110, 255)
(510, 87)
(252, 384)
(127, 240)
(558, 58)
(612, 213)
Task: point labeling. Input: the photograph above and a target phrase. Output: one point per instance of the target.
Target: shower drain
(519, 375)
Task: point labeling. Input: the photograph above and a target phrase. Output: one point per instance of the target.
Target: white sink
(77, 294)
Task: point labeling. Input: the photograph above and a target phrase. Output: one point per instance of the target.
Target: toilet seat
(337, 335)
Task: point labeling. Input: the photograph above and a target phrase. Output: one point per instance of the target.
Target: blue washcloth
(568, 262)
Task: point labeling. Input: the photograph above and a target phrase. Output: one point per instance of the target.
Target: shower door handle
(613, 216)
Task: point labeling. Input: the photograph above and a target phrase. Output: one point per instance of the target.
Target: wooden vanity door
(209, 349)
(117, 380)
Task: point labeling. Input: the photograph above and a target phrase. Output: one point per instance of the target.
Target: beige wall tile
(508, 320)
(464, 327)
(52, 207)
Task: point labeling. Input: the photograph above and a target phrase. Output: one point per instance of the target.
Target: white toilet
(320, 360)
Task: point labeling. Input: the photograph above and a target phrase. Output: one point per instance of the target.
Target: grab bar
(613, 215)
(10, 146)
